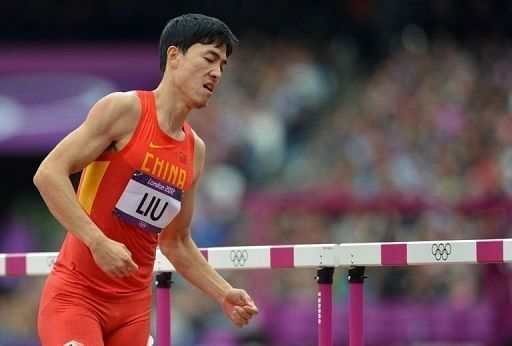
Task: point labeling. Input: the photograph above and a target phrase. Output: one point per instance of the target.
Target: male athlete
(141, 165)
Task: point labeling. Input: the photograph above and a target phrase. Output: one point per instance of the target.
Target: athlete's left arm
(177, 245)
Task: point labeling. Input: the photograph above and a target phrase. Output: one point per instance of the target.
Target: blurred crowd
(416, 146)
(312, 142)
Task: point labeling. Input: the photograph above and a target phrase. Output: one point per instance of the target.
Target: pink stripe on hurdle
(489, 251)
(281, 257)
(393, 254)
(204, 252)
(16, 264)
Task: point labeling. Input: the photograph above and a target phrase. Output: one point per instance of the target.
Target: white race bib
(148, 203)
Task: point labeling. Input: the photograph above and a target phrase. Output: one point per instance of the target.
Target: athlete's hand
(238, 307)
(113, 257)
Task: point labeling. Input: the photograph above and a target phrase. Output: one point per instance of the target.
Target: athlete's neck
(171, 109)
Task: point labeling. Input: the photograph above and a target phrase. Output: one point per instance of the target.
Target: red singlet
(129, 195)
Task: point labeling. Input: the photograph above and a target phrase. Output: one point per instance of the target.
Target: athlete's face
(198, 71)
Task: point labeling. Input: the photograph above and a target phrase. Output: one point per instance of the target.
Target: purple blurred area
(46, 91)
(386, 323)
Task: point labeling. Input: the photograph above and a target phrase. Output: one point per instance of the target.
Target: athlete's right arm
(110, 120)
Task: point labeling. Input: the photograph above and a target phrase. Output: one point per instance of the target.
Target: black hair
(189, 29)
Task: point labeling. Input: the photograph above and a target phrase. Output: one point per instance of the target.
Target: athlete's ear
(173, 56)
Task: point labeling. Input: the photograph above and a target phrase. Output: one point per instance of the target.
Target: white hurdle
(324, 257)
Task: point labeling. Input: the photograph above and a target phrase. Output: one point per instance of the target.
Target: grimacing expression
(198, 71)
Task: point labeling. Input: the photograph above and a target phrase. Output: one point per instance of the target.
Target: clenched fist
(113, 257)
(238, 307)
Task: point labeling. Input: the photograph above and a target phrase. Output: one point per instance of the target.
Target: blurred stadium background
(336, 121)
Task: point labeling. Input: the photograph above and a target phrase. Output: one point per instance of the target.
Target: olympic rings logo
(239, 257)
(50, 261)
(441, 251)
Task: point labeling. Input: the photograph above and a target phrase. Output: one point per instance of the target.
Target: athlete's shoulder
(199, 144)
(116, 113)
(122, 103)
(199, 155)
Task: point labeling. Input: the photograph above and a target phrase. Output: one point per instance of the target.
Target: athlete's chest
(161, 172)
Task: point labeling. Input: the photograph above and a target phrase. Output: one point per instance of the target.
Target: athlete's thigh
(62, 319)
(133, 334)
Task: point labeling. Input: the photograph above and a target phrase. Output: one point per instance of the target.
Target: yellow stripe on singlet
(90, 184)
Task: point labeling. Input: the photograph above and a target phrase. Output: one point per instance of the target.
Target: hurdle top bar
(306, 256)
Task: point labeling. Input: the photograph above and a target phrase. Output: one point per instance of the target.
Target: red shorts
(66, 316)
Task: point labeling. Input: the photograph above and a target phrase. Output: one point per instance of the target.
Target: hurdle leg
(356, 305)
(163, 308)
(324, 279)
